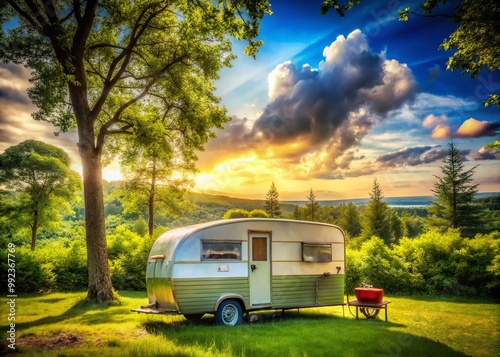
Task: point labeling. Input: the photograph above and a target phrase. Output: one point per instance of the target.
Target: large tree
(40, 175)
(475, 42)
(111, 67)
(272, 204)
(453, 205)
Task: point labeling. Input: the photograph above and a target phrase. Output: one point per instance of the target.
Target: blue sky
(328, 104)
(402, 146)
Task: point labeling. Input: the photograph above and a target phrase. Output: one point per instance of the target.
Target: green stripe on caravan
(231, 267)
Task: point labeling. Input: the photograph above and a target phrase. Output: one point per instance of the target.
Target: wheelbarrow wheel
(369, 312)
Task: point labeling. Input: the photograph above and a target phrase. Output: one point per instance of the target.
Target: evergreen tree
(375, 219)
(453, 206)
(272, 204)
(312, 206)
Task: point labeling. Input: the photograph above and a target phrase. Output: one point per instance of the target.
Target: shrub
(31, 275)
(235, 213)
(381, 267)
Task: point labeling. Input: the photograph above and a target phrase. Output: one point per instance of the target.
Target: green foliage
(382, 268)
(493, 145)
(40, 175)
(258, 213)
(70, 267)
(312, 207)
(32, 275)
(454, 205)
(350, 220)
(128, 253)
(375, 218)
(236, 213)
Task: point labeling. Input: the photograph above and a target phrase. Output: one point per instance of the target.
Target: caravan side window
(220, 250)
(316, 252)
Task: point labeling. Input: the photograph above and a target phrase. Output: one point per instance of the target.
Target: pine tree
(453, 206)
(312, 206)
(272, 204)
(375, 219)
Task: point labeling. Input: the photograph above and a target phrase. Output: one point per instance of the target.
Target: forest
(404, 255)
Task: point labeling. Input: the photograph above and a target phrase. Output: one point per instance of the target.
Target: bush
(31, 275)
(235, 213)
(129, 255)
(381, 267)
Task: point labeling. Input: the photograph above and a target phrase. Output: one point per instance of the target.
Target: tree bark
(100, 288)
(34, 229)
(152, 200)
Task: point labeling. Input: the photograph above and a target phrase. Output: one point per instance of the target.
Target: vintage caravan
(231, 267)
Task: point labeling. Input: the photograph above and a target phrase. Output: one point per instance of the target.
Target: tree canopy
(40, 175)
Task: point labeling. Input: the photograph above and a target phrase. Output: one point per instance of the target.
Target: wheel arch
(237, 297)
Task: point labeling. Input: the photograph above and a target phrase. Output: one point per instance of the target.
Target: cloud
(441, 131)
(431, 120)
(472, 128)
(419, 155)
(486, 154)
(16, 123)
(317, 117)
(411, 156)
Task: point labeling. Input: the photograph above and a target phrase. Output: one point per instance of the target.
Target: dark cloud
(13, 95)
(485, 154)
(316, 116)
(411, 156)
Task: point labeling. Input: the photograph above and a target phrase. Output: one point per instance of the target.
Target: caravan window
(221, 250)
(316, 252)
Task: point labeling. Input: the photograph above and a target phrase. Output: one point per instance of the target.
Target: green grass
(63, 324)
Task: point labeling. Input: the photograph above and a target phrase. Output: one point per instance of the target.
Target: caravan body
(248, 264)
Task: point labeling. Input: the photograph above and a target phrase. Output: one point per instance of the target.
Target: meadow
(64, 324)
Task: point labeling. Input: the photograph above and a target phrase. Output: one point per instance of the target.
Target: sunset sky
(329, 104)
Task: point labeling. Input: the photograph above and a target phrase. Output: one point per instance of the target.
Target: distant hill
(225, 202)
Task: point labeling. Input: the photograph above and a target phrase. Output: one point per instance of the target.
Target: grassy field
(63, 324)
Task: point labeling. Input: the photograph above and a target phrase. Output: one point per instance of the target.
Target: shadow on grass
(78, 310)
(301, 334)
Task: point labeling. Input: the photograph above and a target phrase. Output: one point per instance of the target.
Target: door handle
(253, 267)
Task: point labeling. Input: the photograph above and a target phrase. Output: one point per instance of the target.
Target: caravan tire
(229, 313)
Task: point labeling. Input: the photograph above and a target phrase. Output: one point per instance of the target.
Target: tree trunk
(100, 288)
(152, 200)
(34, 229)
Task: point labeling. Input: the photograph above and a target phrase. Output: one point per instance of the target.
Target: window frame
(319, 246)
(226, 259)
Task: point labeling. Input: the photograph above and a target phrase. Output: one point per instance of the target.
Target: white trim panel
(210, 270)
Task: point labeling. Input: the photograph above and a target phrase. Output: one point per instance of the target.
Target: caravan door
(259, 268)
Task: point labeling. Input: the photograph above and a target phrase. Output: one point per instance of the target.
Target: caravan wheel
(229, 313)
